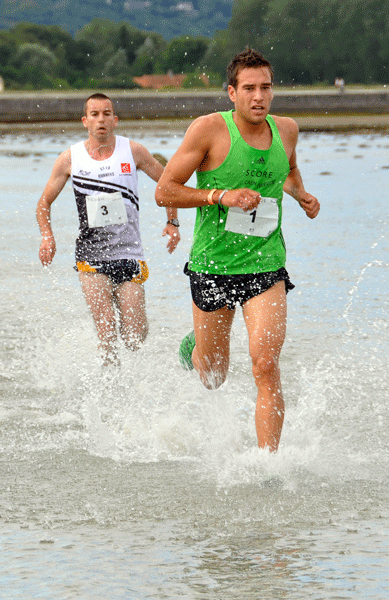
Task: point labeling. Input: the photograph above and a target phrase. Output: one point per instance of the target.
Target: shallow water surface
(143, 484)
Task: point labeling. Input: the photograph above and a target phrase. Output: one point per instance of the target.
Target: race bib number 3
(106, 209)
(260, 222)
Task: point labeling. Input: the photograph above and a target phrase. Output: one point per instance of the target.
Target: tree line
(101, 55)
(313, 41)
(307, 41)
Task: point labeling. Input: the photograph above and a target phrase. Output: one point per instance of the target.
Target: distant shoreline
(314, 109)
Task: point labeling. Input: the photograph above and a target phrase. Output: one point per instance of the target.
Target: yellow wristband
(211, 193)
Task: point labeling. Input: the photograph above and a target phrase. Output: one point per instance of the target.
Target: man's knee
(265, 366)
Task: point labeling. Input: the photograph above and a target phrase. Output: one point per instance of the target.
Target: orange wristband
(211, 193)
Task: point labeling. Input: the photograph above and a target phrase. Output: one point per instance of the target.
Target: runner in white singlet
(109, 253)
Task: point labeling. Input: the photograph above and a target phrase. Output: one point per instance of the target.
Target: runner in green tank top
(244, 160)
(217, 249)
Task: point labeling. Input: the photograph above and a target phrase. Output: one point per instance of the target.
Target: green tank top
(222, 250)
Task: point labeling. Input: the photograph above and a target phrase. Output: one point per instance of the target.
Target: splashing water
(154, 485)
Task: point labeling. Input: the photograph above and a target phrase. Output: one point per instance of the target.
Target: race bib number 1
(106, 209)
(260, 222)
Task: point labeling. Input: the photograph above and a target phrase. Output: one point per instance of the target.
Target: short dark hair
(249, 58)
(96, 96)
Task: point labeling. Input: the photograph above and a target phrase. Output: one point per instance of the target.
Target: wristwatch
(174, 222)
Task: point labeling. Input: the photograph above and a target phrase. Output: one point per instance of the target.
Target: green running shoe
(185, 351)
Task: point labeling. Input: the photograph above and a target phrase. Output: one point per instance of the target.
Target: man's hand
(174, 238)
(244, 198)
(310, 204)
(47, 250)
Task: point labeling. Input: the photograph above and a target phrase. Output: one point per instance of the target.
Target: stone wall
(45, 107)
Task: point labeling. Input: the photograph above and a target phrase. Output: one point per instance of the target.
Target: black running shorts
(118, 271)
(211, 292)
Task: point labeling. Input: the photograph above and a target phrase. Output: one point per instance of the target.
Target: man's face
(253, 94)
(99, 120)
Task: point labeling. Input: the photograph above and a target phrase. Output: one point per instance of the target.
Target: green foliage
(116, 72)
(307, 28)
(108, 40)
(194, 81)
(106, 37)
(129, 40)
(218, 55)
(117, 65)
(8, 47)
(311, 41)
(60, 84)
(198, 80)
(149, 56)
(49, 36)
(307, 41)
(35, 56)
(248, 23)
(28, 47)
(184, 54)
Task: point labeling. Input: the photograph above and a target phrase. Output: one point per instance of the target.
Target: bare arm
(55, 184)
(294, 185)
(153, 168)
(198, 142)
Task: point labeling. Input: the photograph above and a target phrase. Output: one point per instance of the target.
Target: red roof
(156, 82)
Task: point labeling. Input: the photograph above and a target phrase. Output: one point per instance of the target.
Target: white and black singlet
(115, 175)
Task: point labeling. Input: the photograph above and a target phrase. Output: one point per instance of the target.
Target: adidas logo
(260, 161)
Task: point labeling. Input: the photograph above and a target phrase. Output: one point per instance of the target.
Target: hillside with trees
(307, 42)
(169, 18)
